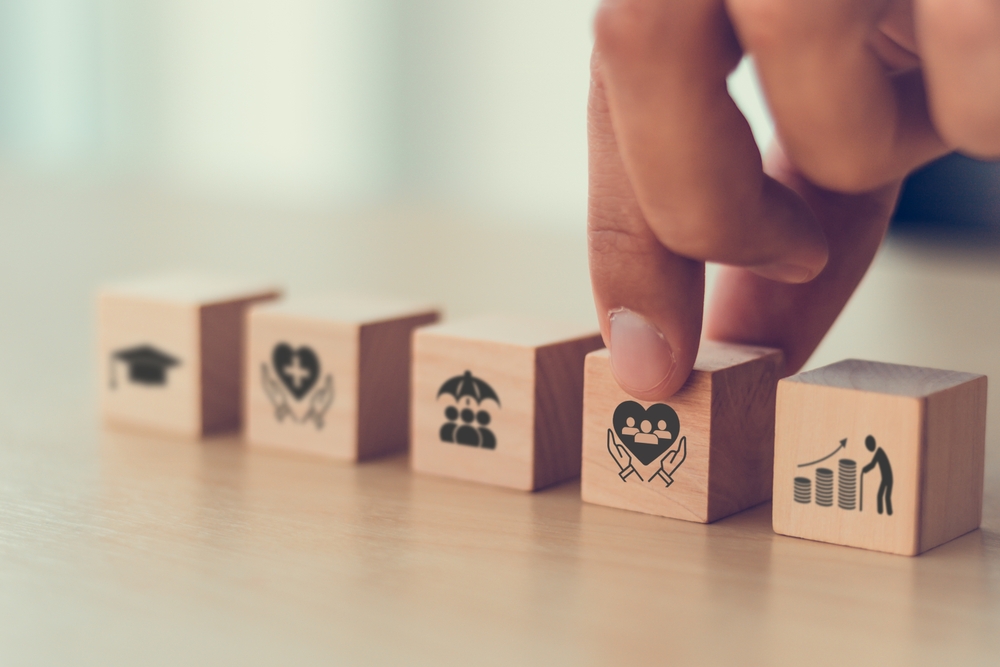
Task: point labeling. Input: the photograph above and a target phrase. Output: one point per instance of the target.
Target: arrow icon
(843, 444)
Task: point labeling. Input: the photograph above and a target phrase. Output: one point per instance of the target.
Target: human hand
(320, 402)
(671, 461)
(276, 394)
(621, 456)
(862, 92)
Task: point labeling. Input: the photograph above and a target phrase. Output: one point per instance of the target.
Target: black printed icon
(298, 371)
(850, 487)
(649, 437)
(881, 459)
(146, 365)
(467, 423)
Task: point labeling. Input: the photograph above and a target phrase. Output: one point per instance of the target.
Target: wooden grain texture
(195, 320)
(559, 409)
(384, 384)
(535, 369)
(221, 353)
(357, 406)
(932, 430)
(133, 549)
(954, 452)
(726, 413)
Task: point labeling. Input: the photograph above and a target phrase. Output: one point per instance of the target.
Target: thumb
(649, 300)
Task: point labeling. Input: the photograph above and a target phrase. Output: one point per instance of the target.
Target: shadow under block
(330, 375)
(498, 400)
(858, 438)
(170, 352)
(700, 456)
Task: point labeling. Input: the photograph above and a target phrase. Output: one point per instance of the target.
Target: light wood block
(170, 351)
(498, 400)
(702, 455)
(879, 456)
(330, 375)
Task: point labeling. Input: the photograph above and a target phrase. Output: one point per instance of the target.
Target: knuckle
(701, 236)
(605, 238)
(630, 28)
(621, 25)
(843, 176)
(845, 162)
(692, 231)
(762, 22)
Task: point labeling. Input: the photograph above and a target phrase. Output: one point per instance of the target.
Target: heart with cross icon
(298, 369)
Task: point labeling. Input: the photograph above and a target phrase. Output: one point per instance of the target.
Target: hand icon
(671, 461)
(620, 455)
(321, 400)
(277, 395)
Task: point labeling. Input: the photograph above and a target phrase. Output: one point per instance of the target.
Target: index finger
(689, 153)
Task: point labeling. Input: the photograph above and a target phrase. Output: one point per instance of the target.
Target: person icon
(661, 431)
(629, 428)
(467, 434)
(646, 437)
(448, 429)
(486, 438)
(881, 459)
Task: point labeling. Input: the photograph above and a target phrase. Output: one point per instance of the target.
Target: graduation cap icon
(146, 365)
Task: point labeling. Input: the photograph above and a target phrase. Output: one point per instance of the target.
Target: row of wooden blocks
(865, 454)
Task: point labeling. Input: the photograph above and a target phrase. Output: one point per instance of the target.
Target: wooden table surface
(129, 549)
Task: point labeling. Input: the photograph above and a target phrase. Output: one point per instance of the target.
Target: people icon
(645, 433)
(468, 427)
(881, 459)
(467, 432)
(465, 425)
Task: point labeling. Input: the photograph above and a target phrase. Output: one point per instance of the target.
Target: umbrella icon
(461, 386)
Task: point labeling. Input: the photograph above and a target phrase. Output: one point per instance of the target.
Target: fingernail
(786, 273)
(641, 358)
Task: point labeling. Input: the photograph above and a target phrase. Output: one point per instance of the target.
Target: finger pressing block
(879, 456)
(702, 455)
(330, 375)
(170, 351)
(498, 400)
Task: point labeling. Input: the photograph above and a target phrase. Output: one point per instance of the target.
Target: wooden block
(498, 400)
(702, 455)
(879, 456)
(170, 350)
(330, 375)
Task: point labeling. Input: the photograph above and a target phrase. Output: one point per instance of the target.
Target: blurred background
(425, 148)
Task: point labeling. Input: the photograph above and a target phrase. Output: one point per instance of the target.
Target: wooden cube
(702, 455)
(171, 351)
(879, 456)
(498, 400)
(330, 375)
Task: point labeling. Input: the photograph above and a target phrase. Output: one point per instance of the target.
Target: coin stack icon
(824, 487)
(803, 490)
(847, 484)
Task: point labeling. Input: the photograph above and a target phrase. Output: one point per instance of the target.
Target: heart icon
(646, 432)
(298, 369)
